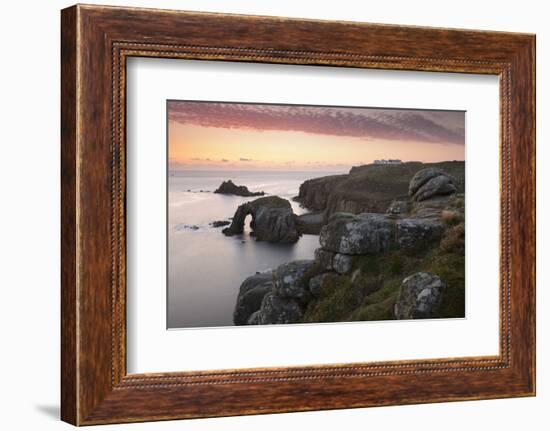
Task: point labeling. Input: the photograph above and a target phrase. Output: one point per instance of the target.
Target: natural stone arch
(272, 220)
(237, 224)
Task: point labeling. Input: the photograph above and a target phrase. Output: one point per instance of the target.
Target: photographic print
(300, 214)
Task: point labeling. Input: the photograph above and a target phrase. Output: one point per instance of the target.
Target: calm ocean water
(206, 268)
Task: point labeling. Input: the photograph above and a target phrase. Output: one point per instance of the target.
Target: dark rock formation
(251, 294)
(274, 297)
(183, 227)
(376, 233)
(230, 188)
(429, 183)
(310, 223)
(369, 188)
(272, 220)
(415, 232)
(356, 234)
(342, 263)
(359, 269)
(419, 296)
(276, 310)
(288, 279)
(220, 223)
(421, 177)
(324, 258)
(314, 193)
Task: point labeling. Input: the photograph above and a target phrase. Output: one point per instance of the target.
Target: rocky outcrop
(310, 223)
(361, 253)
(276, 310)
(230, 188)
(370, 188)
(356, 234)
(419, 296)
(184, 227)
(342, 263)
(251, 294)
(272, 220)
(220, 223)
(314, 193)
(288, 280)
(274, 297)
(360, 234)
(412, 233)
(429, 183)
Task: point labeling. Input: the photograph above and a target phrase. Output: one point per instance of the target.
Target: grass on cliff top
(370, 188)
(393, 180)
(373, 293)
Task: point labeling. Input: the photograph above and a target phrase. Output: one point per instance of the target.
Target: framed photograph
(318, 215)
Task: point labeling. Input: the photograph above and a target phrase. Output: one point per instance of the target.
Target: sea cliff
(391, 247)
(369, 188)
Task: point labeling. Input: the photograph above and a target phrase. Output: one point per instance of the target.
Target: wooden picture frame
(95, 43)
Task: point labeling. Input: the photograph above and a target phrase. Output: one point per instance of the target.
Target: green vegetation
(370, 291)
(337, 299)
(311, 272)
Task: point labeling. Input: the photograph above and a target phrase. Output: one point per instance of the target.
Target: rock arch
(272, 220)
(237, 224)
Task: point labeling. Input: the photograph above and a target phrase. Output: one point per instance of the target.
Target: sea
(205, 267)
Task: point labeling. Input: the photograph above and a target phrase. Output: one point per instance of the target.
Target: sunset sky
(230, 136)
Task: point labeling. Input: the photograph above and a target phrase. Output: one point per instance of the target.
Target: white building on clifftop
(388, 162)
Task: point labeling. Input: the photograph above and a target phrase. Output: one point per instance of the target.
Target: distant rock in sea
(220, 223)
(230, 188)
(182, 227)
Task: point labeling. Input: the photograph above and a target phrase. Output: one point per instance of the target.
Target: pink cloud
(442, 127)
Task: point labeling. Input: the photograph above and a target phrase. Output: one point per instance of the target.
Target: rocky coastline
(391, 246)
(369, 188)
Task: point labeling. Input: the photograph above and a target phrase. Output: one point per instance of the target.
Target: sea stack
(230, 188)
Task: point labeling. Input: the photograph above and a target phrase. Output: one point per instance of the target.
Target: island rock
(230, 188)
(220, 223)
